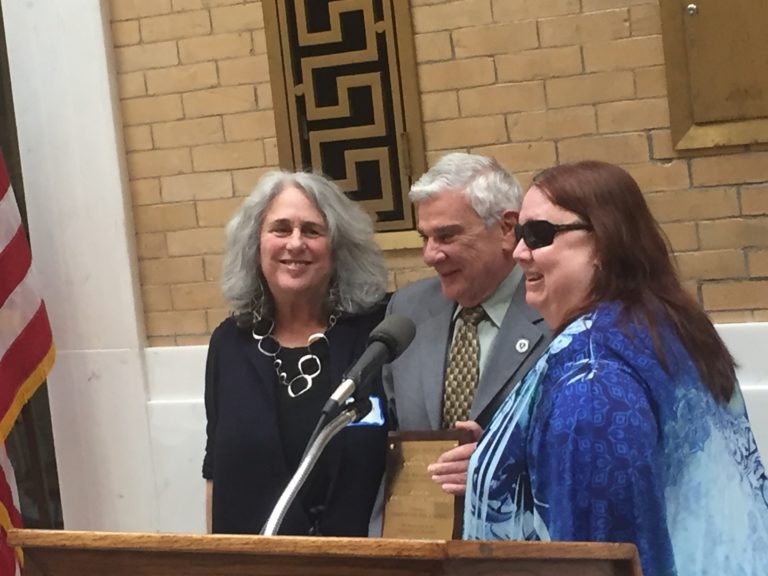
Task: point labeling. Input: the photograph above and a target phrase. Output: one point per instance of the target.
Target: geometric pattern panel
(344, 102)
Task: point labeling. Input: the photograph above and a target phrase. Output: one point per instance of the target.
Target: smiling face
(295, 248)
(558, 277)
(470, 259)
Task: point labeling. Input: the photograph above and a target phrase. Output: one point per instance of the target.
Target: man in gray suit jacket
(467, 208)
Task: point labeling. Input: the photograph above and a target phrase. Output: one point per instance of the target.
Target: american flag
(26, 352)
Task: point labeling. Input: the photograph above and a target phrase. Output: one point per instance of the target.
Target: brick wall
(532, 82)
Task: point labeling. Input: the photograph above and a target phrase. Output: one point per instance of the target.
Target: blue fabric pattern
(600, 443)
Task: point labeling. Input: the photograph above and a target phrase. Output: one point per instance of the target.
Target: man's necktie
(463, 367)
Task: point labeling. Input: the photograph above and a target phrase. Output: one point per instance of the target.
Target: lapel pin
(522, 345)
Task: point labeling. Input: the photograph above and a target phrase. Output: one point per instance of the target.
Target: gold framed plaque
(415, 507)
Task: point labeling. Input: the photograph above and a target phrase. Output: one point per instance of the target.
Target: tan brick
(733, 233)
(228, 156)
(651, 82)
(237, 18)
(645, 20)
(249, 126)
(203, 186)
(526, 156)
(759, 315)
(125, 33)
(731, 317)
(194, 339)
(695, 204)
(176, 322)
(552, 124)
(404, 259)
(264, 96)
(215, 47)
(405, 277)
(495, 39)
(151, 245)
(219, 101)
(502, 98)
(188, 132)
(195, 242)
(590, 89)
(661, 145)
(271, 152)
(439, 105)
(250, 70)
(128, 9)
(259, 42)
(160, 341)
(131, 85)
(137, 138)
(754, 200)
(212, 265)
(582, 28)
(145, 191)
(461, 132)
(212, 213)
(165, 217)
(450, 15)
(681, 236)
(182, 78)
(433, 46)
(456, 74)
(197, 296)
(619, 148)
(711, 265)
(151, 109)
(757, 260)
(539, 64)
(515, 10)
(216, 317)
(146, 56)
(656, 176)
(434, 155)
(594, 5)
(175, 26)
(736, 295)
(159, 163)
(730, 169)
(245, 181)
(632, 115)
(182, 5)
(623, 54)
(156, 298)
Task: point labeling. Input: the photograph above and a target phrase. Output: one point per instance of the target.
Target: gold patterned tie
(463, 367)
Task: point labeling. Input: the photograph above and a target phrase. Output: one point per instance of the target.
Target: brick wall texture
(532, 82)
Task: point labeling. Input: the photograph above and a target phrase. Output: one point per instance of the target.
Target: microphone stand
(349, 414)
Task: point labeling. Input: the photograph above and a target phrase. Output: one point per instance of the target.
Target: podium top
(66, 553)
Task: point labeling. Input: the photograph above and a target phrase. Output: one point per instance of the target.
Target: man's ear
(508, 222)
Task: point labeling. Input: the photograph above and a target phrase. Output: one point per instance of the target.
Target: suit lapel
(518, 335)
(433, 350)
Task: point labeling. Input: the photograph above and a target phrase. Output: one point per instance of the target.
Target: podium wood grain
(70, 553)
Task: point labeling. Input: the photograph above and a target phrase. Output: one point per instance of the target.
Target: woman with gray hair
(306, 282)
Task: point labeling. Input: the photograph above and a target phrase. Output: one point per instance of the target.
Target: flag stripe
(10, 219)
(17, 311)
(25, 366)
(5, 183)
(15, 261)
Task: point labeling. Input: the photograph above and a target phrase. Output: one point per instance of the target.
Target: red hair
(635, 263)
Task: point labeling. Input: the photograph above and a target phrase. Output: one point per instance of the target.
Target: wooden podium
(68, 553)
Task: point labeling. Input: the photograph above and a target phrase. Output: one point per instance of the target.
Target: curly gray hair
(489, 187)
(359, 276)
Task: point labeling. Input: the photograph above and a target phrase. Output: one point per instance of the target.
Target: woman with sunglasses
(631, 427)
(305, 280)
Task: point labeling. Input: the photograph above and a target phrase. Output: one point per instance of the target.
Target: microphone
(385, 343)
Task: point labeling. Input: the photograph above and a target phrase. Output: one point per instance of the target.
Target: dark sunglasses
(540, 233)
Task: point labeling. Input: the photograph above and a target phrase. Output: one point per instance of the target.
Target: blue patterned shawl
(600, 443)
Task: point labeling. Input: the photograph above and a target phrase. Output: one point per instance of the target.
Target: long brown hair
(635, 264)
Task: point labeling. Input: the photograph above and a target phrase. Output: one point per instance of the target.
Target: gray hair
(489, 187)
(359, 276)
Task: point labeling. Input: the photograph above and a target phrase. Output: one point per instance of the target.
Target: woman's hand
(450, 470)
